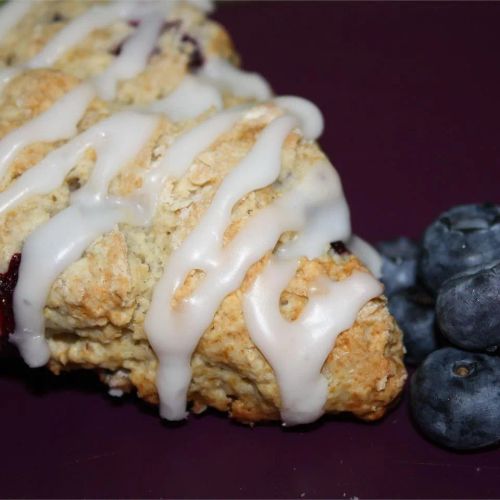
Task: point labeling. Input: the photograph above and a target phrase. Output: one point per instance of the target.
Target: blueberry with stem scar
(464, 237)
(455, 398)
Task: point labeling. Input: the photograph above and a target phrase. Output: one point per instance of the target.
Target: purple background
(410, 96)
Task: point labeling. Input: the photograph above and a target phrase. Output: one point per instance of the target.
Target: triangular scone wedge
(95, 312)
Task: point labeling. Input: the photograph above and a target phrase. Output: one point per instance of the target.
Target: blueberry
(461, 238)
(455, 398)
(399, 264)
(467, 308)
(413, 309)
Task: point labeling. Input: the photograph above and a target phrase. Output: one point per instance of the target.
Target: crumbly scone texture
(96, 308)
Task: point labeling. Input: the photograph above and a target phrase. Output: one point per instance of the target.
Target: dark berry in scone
(455, 398)
(463, 237)
(414, 311)
(399, 264)
(8, 282)
(468, 308)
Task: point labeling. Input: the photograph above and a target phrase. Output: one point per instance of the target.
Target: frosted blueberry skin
(414, 311)
(464, 237)
(468, 309)
(399, 264)
(455, 399)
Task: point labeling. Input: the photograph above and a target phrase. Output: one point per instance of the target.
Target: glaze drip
(189, 100)
(297, 350)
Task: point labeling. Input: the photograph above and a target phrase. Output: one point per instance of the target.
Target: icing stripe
(133, 58)
(314, 240)
(311, 119)
(225, 76)
(190, 99)
(56, 123)
(366, 254)
(47, 252)
(11, 13)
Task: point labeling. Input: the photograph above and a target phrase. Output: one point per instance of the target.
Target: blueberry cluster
(445, 295)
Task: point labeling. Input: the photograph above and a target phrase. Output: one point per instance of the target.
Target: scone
(167, 222)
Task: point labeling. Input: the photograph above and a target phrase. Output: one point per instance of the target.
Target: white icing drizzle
(53, 246)
(297, 350)
(191, 98)
(47, 252)
(11, 13)
(228, 77)
(314, 207)
(366, 253)
(133, 57)
(311, 118)
(50, 173)
(78, 29)
(329, 221)
(57, 122)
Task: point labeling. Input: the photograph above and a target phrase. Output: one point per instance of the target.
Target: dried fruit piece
(8, 282)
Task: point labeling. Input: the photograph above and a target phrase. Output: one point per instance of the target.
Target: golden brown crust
(96, 308)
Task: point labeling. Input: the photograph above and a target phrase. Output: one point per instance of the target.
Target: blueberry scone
(167, 221)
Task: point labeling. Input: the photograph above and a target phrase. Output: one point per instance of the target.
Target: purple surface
(410, 96)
